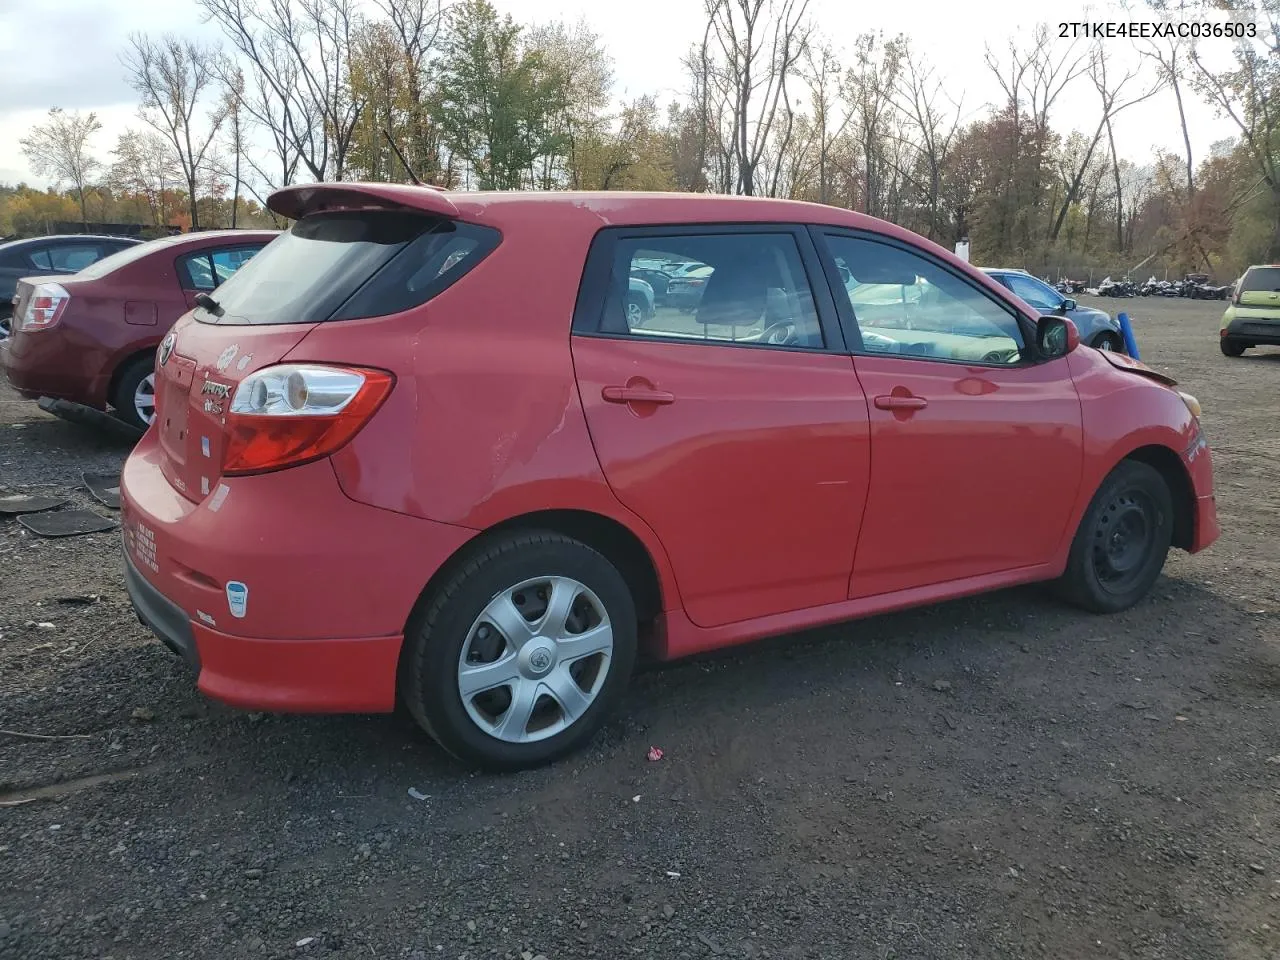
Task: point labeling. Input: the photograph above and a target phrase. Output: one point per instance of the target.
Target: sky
(67, 53)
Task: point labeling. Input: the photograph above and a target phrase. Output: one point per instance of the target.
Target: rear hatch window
(1261, 286)
(349, 265)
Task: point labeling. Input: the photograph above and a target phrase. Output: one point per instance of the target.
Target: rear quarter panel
(1120, 412)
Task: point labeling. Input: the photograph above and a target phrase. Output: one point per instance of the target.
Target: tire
(637, 312)
(1104, 575)
(1108, 341)
(456, 624)
(6, 322)
(1231, 348)
(130, 388)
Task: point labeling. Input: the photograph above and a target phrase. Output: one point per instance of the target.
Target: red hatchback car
(414, 450)
(91, 337)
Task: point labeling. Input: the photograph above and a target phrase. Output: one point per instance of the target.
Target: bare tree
(830, 118)
(753, 47)
(1169, 55)
(300, 54)
(1109, 90)
(417, 25)
(173, 77)
(918, 96)
(869, 86)
(59, 147)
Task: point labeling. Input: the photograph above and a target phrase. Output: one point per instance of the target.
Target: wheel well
(1108, 335)
(122, 366)
(1170, 466)
(622, 548)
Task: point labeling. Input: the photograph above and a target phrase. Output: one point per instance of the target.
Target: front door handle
(895, 402)
(636, 395)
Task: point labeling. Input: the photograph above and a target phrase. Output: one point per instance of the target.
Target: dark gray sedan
(43, 256)
(1097, 328)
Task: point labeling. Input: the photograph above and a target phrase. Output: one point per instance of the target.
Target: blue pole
(1130, 344)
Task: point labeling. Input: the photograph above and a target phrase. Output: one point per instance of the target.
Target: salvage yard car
(64, 253)
(90, 338)
(1253, 318)
(374, 475)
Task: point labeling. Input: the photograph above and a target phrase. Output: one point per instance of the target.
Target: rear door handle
(636, 395)
(893, 402)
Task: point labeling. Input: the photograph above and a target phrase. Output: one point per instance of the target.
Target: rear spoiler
(299, 200)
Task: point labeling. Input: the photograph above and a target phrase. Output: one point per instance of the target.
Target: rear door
(976, 449)
(737, 431)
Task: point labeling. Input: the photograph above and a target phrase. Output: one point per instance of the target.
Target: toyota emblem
(166, 348)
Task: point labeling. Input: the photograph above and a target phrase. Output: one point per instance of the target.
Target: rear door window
(349, 265)
(40, 259)
(209, 269)
(746, 288)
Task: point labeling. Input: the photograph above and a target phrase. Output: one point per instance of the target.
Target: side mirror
(1067, 305)
(1056, 337)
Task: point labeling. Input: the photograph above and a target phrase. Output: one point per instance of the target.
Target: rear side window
(348, 265)
(40, 258)
(74, 257)
(209, 269)
(1261, 280)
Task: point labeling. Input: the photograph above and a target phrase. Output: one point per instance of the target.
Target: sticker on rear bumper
(237, 598)
(219, 495)
(206, 618)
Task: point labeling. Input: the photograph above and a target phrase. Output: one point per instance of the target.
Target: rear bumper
(45, 364)
(1252, 330)
(330, 584)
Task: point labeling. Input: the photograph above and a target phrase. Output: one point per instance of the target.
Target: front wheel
(518, 658)
(1122, 542)
(1109, 342)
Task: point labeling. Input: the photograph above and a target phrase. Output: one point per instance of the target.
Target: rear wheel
(1122, 542)
(135, 393)
(6, 322)
(1232, 348)
(520, 655)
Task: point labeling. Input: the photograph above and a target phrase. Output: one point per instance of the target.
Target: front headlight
(1192, 403)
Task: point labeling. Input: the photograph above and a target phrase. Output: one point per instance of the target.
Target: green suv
(1254, 314)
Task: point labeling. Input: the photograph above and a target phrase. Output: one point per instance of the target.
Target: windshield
(345, 265)
(1261, 280)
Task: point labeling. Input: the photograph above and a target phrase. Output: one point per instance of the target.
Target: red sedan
(416, 450)
(91, 337)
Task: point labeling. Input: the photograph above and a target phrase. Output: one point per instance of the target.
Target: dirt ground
(998, 777)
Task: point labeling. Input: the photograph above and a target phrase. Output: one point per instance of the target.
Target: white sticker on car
(206, 618)
(227, 355)
(204, 444)
(237, 598)
(219, 495)
(204, 486)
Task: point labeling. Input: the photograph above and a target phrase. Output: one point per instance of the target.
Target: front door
(733, 423)
(976, 449)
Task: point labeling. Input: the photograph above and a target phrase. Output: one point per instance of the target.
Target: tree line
(453, 93)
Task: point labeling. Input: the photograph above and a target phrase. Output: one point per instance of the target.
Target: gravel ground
(995, 777)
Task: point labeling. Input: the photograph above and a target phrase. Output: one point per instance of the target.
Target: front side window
(746, 288)
(1034, 292)
(908, 305)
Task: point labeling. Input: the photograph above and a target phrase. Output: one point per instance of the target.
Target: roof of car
(26, 241)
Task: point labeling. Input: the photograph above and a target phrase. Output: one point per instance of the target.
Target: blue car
(1097, 328)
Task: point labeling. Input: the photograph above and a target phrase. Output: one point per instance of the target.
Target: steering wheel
(780, 333)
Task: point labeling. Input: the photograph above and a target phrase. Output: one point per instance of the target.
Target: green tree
(494, 100)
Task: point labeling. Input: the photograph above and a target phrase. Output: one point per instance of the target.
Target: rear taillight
(45, 307)
(293, 413)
